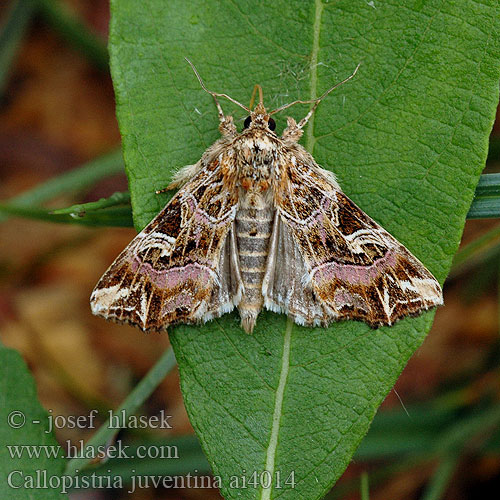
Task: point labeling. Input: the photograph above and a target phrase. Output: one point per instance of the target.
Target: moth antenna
(215, 94)
(315, 101)
(261, 98)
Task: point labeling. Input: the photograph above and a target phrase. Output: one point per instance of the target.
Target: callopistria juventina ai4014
(257, 223)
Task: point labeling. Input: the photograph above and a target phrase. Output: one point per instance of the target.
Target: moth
(255, 224)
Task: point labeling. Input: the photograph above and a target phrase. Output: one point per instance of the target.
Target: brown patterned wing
(351, 267)
(182, 266)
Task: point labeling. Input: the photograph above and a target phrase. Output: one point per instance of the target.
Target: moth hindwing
(258, 224)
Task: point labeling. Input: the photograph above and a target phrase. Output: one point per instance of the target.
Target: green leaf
(18, 404)
(407, 139)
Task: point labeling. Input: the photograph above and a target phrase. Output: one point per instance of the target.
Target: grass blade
(494, 149)
(11, 34)
(441, 478)
(75, 32)
(476, 250)
(133, 401)
(486, 204)
(365, 489)
(190, 458)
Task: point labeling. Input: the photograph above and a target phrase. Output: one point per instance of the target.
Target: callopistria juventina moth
(257, 223)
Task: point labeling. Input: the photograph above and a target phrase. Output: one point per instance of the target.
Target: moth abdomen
(253, 232)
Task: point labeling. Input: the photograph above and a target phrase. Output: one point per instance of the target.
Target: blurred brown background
(56, 112)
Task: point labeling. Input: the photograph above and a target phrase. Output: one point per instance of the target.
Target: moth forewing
(257, 223)
(357, 269)
(152, 285)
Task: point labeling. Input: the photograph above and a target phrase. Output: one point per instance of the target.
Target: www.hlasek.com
(89, 452)
(42, 480)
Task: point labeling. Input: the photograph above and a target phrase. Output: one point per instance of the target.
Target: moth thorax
(253, 232)
(254, 167)
(255, 199)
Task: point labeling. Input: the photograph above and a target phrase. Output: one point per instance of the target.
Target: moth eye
(247, 122)
(271, 124)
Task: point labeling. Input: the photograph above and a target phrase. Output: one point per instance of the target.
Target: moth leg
(292, 133)
(182, 176)
(227, 127)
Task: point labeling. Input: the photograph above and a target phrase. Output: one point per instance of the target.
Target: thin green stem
(80, 178)
(133, 401)
(80, 209)
(119, 216)
(365, 489)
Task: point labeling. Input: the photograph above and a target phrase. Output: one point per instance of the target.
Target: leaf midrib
(310, 139)
(278, 406)
(285, 362)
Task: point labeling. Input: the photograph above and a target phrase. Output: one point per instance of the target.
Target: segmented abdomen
(253, 232)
